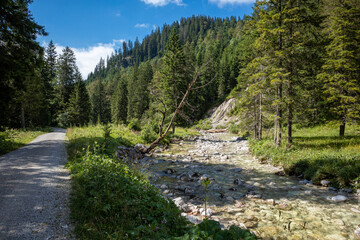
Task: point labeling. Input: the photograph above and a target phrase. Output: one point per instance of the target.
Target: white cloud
(160, 3)
(87, 58)
(142, 25)
(222, 3)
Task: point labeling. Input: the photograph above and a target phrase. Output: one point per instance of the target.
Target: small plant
(206, 182)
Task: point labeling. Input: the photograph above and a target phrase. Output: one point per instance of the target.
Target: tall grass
(12, 139)
(317, 153)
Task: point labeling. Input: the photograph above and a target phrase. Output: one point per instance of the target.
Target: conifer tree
(119, 102)
(79, 103)
(341, 70)
(66, 77)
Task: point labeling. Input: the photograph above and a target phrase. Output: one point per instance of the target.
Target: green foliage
(150, 132)
(134, 124)
(111, 200)
(204, 124)
(234, 128)
(63, 120)
(210, 229)
(317, 153)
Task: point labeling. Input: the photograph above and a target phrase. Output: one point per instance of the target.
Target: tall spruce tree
(66, 77)
(341, 70)
(119, 101)
(79, 107)
(19, 57)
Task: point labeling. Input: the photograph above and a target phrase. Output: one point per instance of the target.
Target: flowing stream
(249, 194)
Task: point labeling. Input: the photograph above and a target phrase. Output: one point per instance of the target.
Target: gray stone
(193, 219)
(179, 202)
(229, 198)
(325, 183)
(164, 186)
(339, 198)
(238, 182)
(238, 170)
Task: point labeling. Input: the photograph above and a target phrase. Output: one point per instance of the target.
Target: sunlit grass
(12, 139)
(317, 153)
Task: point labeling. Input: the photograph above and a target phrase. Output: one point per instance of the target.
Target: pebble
(238, 170)
(339, 198)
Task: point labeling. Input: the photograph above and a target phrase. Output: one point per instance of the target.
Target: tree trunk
(342, 128)
(173, 128)
(278, 119)
(22, 116)
(260, 118)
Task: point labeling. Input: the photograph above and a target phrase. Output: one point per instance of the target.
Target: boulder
(128, 154)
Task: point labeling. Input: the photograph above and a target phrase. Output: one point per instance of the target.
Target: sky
(95, 28)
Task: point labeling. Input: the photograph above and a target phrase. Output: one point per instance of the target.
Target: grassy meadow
(317, 153)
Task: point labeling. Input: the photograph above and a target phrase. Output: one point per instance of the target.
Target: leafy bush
(110, 200)
(134, 124)
(233, 128)
(149, 133)
(203, 125)
(210, 229)
(63, 120)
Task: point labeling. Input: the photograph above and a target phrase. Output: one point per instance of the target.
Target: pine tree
(79, 103)
(20, 57)
(66, 77)
(173, 83)
(100, 106)
(119, 102)
(341, 71)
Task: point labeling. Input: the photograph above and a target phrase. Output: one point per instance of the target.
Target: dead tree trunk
(181, 104)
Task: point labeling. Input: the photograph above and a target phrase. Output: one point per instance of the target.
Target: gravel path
(34, 190)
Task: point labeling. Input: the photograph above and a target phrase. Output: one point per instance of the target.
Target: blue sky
(94, 28)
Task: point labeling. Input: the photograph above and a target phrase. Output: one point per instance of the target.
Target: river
(249, 194)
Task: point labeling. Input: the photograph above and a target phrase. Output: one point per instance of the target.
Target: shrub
(134, 124)
(110, 200)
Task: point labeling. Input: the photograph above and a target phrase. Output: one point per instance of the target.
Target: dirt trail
(34, 190)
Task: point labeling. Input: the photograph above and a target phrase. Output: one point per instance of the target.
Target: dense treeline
(38, 88)
(290, 62)
(146, 81)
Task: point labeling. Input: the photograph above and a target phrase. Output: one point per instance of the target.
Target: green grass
(12, 139)
(111, 200)
(317, 153)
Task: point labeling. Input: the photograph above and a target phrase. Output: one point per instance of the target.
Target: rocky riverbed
(249, 194)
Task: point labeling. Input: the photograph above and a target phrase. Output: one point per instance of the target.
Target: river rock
(209, 212)
(238, 182)
(283, 206)
(238, 170)
(193, 219)
(170, 171)
(179, 202)
(128, 154)
(325, 183)
(230, 198)
(357, 233)
(339, 198)
(164, 186)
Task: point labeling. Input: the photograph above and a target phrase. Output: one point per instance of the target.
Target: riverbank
(249, 194)
(317, 154)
